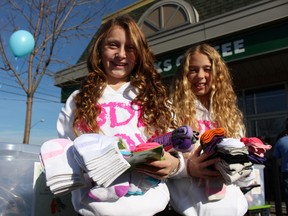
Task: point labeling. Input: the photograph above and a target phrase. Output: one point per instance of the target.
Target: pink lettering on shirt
(111, 110)
(118, 114)
(205, 125)
(102, 117)
(139, 137)
(140, 120)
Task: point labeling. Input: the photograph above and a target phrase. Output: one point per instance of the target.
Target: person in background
(122, 96)
(280, 151)
(203, 98)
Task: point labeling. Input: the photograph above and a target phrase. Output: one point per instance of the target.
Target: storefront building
(251, 35)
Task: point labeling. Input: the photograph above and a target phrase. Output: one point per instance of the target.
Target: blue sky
(46, 104)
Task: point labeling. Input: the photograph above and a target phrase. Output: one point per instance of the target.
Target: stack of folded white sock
(100, 157)
(63, 174)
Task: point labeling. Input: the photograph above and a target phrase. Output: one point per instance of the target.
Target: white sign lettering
(225, 50)
(230, 48)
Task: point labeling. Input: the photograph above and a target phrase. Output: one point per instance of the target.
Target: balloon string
(16, 58)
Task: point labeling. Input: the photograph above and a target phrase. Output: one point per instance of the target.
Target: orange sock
(208, 135)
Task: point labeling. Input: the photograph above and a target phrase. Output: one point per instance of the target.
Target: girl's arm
(65, 119)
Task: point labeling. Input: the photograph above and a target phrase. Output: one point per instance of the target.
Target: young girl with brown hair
(122, 96)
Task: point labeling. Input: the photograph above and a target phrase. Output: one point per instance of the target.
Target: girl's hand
(161, 169)
(198, 166)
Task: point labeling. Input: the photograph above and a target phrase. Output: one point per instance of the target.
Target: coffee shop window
(265, 100)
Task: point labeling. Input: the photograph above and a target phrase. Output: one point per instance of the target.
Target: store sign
(231, 48)
(169, 65)
(235, 48)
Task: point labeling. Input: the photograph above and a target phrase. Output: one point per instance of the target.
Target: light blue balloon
(21, 43)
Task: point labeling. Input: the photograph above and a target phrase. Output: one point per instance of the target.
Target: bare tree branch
(53, 23)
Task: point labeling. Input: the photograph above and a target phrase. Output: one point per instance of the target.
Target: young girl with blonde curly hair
(122, 96)
(216, 94)
(203, 98)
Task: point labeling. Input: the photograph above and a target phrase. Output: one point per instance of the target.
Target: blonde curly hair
(222, 98)
(152, 98)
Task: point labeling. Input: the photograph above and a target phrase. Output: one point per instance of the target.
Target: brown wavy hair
(152, 97)
(222, 102)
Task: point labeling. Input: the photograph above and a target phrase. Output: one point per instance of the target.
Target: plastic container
(256, 197)
(23, 190)
(16, 182)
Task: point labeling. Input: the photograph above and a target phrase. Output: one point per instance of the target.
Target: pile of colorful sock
(234, 165)
(256, 148)
(181, 139)
(237, 159)
(103, 159)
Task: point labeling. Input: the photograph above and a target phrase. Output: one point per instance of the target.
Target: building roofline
(127, 9)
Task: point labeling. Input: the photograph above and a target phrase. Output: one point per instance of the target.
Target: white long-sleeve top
(118, 118)
(188, 196)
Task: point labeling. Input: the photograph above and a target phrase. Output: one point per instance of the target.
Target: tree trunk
(29, 104)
